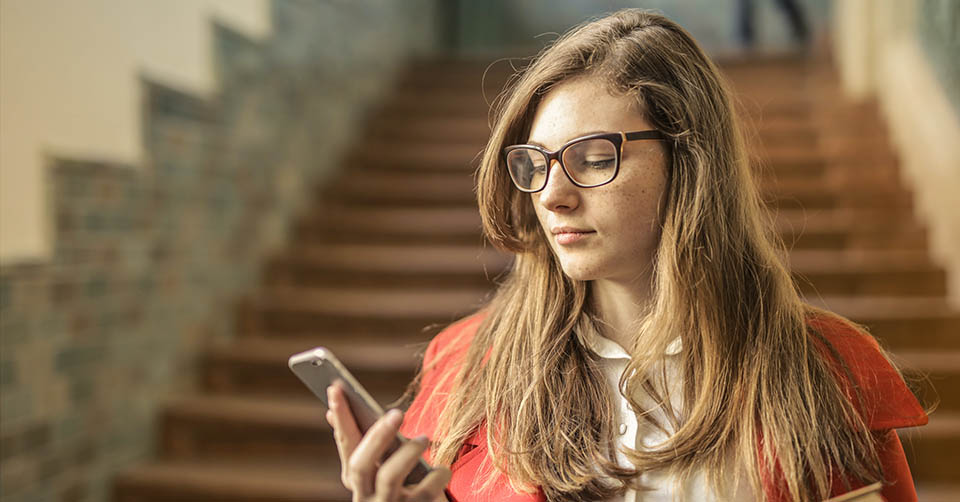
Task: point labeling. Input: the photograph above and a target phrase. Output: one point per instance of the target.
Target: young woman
(648, 342)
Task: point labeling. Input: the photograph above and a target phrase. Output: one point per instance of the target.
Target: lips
(570, 235)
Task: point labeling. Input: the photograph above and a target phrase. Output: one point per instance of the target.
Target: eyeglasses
(589, 161)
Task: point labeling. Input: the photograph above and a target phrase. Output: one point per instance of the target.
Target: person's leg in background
(797, 19)
(791, 8)
(745, 19)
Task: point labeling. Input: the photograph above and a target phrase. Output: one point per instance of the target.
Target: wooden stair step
(932, 449)
(827, 272)
(406, 149)
(802, 186)
(400, 189)
(418, 130)
(861, 260)
(455, 187)
(388, 266)
(414, 259)
(800, 229)
(900, 322)
(934, 372)
(257, 365)
(938, 492)
(853, 220)
(225, 480)
(441, 155)
(462, 75)
(405, 191)
(210, 426)
(362, 302)
(850, 228)
(867, 272)
(376, 224)
(435, 102)
(783, 134)
(822, 199)
(353, 310)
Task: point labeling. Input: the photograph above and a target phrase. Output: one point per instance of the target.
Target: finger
(345, 431)
(343, 416)
(395, 469)
(430, 489)
(368, 453)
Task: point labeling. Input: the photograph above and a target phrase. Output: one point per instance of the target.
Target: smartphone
(318, 368)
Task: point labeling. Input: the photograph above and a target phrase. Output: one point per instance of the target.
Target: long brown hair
(750, 368)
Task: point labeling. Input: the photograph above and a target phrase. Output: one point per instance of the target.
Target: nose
(560, 194)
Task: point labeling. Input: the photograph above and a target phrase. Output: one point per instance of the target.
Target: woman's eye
(539, 167)
(600, 163)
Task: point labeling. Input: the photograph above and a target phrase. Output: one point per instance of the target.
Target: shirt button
(623, 429)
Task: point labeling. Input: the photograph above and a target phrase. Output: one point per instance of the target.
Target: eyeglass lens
(589, 162)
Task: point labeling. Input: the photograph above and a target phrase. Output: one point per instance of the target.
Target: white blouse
(640, 433)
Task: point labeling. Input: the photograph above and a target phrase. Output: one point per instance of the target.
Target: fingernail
(422, 438)
(393, 416)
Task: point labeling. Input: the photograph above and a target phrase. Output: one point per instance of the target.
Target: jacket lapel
(471, 467)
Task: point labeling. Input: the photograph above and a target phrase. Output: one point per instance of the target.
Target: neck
(618, 305)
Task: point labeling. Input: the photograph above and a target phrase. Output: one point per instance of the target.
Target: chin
(580, 271)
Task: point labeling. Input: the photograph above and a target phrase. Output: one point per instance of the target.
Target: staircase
(391, 252)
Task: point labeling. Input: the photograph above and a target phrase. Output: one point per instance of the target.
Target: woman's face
(611, 231)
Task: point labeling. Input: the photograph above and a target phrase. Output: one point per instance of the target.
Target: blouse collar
(609, 349)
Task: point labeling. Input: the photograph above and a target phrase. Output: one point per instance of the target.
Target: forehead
(583, 106)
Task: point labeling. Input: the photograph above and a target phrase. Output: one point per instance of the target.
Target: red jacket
(887, 405)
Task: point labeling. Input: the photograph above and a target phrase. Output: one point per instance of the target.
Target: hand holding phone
(376, 461)
(361, 470)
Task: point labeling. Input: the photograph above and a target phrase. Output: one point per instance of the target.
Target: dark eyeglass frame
(617, 138)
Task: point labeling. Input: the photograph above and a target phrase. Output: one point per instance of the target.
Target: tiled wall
(150, 259)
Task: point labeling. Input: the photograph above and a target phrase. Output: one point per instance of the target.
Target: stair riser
(453, 200)
(780, 169)
(939, 388)
(339, 235)
(187, 438)
(142, 492)
(386, 385)
(933, 334)
(450, 107)
(323, 232)
(836, 240)
(458, 184)
(467, 80)
(408, 128)
(929, 283)
(267, 320)
(435, 100)
(932, 459)
(917, 333)
(813, 201)
(306, 276)
(402, 200)
(444, 108)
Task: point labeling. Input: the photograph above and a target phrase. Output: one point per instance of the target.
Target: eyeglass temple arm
(644, 135)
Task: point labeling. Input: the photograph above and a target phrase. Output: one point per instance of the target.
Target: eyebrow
(588, 133)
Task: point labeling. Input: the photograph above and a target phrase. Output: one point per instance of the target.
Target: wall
(69, 87)
(903, 54)
(148, 260)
